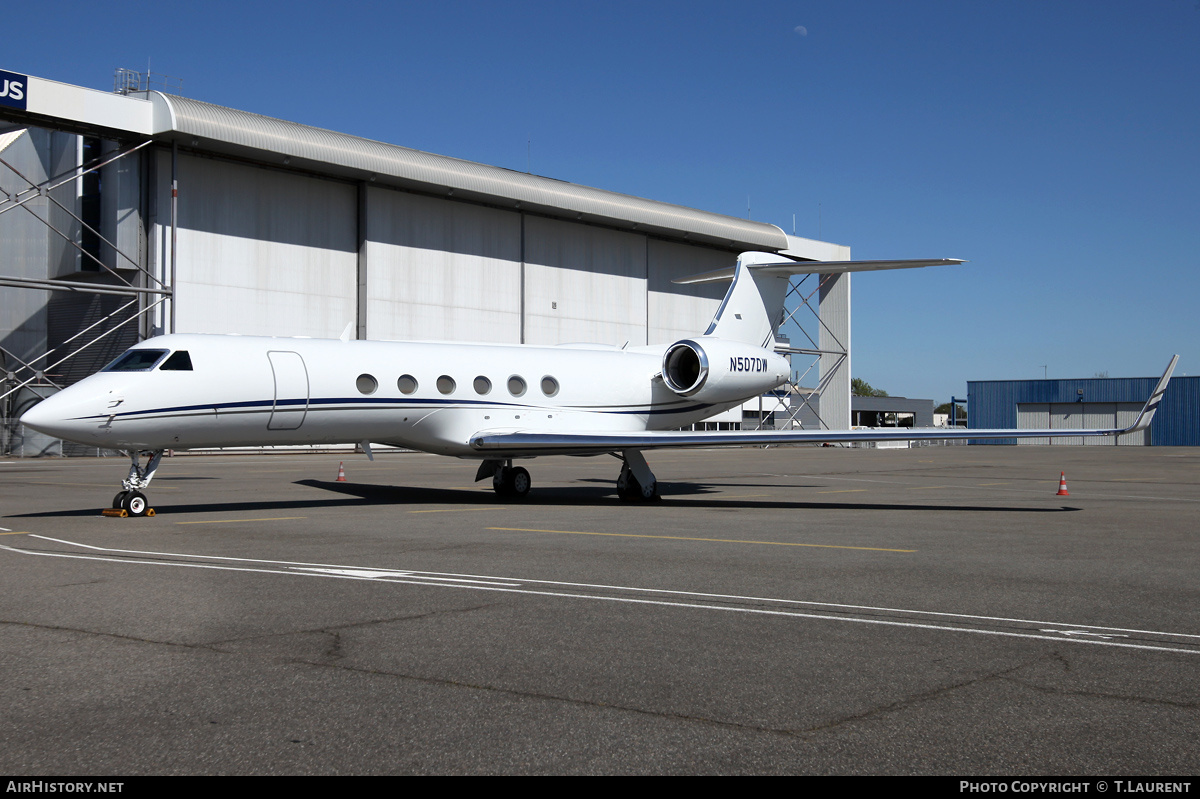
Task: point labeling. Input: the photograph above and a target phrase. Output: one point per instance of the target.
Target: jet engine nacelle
(715, 370)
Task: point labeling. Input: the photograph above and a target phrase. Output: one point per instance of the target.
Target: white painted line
(370, 574)
(1068, 632)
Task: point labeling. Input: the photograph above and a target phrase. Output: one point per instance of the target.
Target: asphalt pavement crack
(922, 697)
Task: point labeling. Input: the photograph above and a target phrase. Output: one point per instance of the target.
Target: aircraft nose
(42, 417)
(56, 416)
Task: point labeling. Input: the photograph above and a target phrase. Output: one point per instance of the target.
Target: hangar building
(1086, 403)
(137, 212)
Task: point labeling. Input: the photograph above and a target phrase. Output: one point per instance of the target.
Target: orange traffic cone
(1062, 485)
(342, 474)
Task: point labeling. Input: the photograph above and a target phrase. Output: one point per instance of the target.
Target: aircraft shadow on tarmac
(694, 495)
(689, 495)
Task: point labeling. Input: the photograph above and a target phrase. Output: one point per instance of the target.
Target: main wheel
(519, 482)
(135, 503)
(630, 490)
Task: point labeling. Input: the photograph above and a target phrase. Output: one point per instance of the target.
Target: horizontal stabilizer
(816, 267)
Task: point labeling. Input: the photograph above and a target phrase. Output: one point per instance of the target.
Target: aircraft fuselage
(431, 396)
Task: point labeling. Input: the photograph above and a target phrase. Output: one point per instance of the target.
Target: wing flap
(533, 442)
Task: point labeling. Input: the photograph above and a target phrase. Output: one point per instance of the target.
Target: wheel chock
(121, 513)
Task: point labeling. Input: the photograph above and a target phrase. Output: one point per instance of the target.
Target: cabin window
(366, 384)
(136, 361)
(446, 384)
(549, 386)
(179, 361)
(516, 385)
(407, 384)
(482, 385)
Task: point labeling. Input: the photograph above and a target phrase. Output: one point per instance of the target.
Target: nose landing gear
(131, 501)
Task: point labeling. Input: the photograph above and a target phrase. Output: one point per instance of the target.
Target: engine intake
(685, 368)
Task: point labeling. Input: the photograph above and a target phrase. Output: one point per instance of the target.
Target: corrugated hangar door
(678, 311)
(583, 283)
(262, 252)
(440, 269)
(1080, 416)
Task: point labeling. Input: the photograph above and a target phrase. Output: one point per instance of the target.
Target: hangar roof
(213, 127)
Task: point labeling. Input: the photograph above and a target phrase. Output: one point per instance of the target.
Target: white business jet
(492, 402)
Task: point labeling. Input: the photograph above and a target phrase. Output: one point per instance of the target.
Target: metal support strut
(139, 478)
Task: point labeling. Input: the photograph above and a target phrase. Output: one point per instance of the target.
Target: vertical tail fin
(753, 306)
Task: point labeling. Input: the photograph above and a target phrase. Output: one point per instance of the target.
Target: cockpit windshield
(136, 361)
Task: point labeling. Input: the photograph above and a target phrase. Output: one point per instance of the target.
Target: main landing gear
(131, 499)
(636, 483)
(507, 480)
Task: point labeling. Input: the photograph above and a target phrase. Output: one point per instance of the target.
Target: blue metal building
(1090, 402)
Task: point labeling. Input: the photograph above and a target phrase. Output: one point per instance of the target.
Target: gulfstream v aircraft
(492, 402)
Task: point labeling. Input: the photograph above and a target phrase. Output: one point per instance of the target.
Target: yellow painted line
(231, 521)
(993, 484)
(924, 488)
(21, 533)
(843, 491)
(458, 510)
(689, 538)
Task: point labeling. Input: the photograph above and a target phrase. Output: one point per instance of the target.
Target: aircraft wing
(528, 443)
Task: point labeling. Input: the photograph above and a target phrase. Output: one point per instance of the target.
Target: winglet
(1143, 420)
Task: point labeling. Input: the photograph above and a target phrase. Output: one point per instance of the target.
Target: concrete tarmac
(938, 610)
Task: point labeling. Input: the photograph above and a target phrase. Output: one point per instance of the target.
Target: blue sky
(1055, 145)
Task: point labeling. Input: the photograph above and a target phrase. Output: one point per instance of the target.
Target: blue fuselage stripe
(392, 402)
